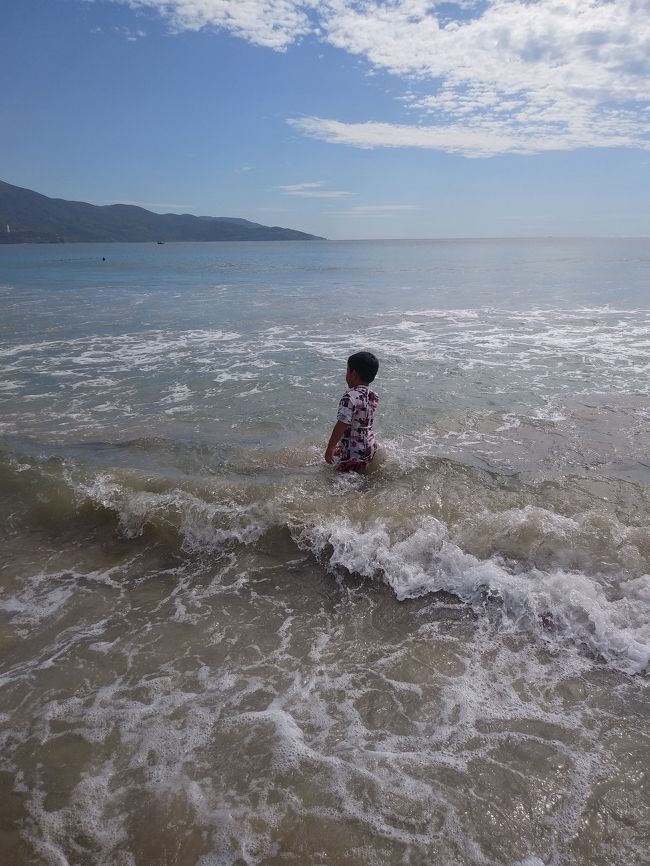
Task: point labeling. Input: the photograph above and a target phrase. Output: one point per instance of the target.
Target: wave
(574, 604)
(553, 558)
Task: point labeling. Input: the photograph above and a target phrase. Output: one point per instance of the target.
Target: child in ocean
(352, 443)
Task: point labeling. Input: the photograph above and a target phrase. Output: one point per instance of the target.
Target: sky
(344, 118)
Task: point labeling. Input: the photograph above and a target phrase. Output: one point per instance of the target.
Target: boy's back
(352, 442)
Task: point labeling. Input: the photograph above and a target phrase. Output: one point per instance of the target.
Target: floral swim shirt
(358, 445)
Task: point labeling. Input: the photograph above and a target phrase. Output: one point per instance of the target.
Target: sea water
(216, 650)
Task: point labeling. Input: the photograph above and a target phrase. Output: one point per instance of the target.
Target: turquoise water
(204, 627)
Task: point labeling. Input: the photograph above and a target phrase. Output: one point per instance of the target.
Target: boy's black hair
(365, 364)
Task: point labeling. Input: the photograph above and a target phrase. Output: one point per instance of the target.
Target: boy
(352, 432)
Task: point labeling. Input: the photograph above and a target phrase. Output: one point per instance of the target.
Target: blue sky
(345, 118)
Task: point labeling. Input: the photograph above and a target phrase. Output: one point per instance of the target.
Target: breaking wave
(552, 559)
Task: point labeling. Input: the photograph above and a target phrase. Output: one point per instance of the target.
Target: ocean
(216, 651)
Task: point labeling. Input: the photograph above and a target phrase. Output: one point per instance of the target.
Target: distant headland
(29, 217)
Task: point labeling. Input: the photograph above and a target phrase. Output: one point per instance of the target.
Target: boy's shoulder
(360, 392)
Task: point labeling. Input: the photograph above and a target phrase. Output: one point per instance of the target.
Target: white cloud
(270, 23)
(313, 189)
(514, 76)
(487, 76)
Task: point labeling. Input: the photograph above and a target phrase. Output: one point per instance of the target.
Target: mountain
(35, 218)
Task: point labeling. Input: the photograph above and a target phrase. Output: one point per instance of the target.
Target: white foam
(529, 861)
(43, 596)
(179, 739)
(88, 816)
(234, 376)
(10, 386)
(177, 393)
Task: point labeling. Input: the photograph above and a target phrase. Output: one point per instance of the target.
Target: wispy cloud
(313, 189)
(172, 206)
(482, 77)
(376, 210)
(125, 32)
(452, 138)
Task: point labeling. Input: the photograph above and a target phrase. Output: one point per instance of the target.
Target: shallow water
(209, 635)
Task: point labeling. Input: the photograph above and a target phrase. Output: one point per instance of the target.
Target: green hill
(29, 217)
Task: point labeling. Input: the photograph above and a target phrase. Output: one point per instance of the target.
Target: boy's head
(365, 365)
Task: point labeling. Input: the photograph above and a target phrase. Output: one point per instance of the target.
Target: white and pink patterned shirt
(357, 409)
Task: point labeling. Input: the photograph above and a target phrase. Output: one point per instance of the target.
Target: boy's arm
(339, 429)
